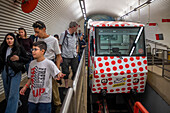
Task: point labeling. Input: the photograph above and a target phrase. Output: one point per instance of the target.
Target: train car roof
(114, 24)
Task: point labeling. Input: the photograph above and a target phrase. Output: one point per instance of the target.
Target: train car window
(107, 39)
(91, 46)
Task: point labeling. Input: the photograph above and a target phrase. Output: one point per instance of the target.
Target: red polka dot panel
(100, 65)
(106, 63)
(131, 82)
(125, 59)
(118, 75)
(127, 64)
(105, 58)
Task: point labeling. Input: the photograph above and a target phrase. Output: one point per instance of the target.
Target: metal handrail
(78, 73)
(70, 104)
(157, 43)
(162, 53)
(67, 101)
(138, 106)
(75, 82)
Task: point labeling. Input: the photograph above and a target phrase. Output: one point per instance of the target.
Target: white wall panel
(56, 14)
(159, 9)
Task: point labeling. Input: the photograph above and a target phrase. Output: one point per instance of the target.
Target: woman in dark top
(26, 43)
(12, 60)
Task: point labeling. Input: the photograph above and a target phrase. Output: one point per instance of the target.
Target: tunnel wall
(159, 9)
(52, 12)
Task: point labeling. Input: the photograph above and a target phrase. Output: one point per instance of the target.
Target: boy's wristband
(27, 85)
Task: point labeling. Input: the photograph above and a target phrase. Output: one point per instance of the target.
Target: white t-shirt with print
(41, 74)
(8, 52)
(52, 47)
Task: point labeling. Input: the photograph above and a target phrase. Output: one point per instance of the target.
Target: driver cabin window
(109, 39)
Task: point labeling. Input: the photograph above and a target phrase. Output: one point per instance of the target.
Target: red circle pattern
(110, 68)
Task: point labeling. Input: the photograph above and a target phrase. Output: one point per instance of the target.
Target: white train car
(117, 59)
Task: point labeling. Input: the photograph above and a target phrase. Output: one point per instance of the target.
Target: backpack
(65, 36)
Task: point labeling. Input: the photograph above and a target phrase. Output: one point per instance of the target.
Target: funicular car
(117, 61)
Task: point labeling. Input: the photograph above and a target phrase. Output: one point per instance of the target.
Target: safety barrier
(74, 100)
(157, 44)
(160, 58)
(165, 62)
(138, 106)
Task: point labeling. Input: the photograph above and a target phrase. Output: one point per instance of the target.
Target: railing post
(75, 83)
(163, 64)
(138, 106)
(155, 49)
(153, 56)
(75, 100)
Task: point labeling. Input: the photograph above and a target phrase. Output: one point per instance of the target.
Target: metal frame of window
(142, 34)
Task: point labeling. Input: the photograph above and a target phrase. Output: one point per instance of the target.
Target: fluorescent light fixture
(151, 0)
(142, 6)
(84, 15)
(82, 4)
(85, 19)
(83, 10)
(138, 7)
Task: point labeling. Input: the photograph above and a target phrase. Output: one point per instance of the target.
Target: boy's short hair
(39, 24)
(73, 24)
(56, 35)
(41, 45)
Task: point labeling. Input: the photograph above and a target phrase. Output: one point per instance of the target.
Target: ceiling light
(151, 0)
(138, 7)
(82, 4)
(83, 10)
(84, 15)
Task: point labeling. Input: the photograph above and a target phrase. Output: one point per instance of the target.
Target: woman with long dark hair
(13, 57)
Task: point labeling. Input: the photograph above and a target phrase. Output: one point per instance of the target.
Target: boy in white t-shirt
(41, 71)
